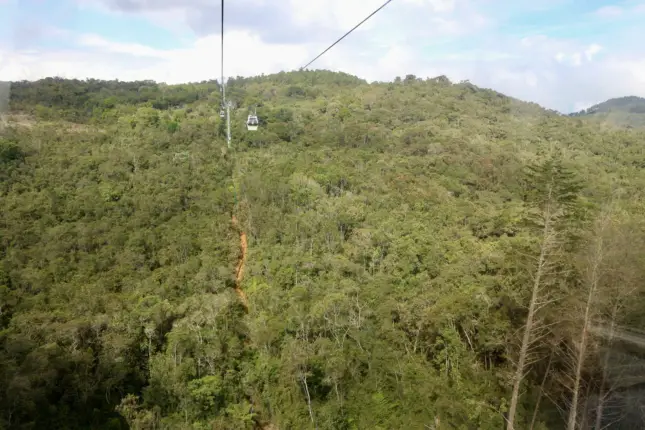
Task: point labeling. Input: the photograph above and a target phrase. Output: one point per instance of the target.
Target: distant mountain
(624, 111)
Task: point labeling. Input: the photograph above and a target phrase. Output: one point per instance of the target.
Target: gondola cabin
(252, 123)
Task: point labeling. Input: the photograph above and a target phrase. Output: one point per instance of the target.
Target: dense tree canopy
(402, 238)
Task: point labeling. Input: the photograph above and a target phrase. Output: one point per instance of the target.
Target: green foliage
(10, 152)
(93, 99)
(386, 269)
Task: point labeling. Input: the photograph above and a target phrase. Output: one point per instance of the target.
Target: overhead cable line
(222, 41)
(346, 34)
(225, 105)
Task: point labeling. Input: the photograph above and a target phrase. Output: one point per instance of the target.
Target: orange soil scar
(239, 270)
(239, 274)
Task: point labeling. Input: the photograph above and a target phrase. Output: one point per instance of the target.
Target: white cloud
(334, 14)
(633, 69)
(592, 50)
(610, 11)
(615, 11)
(531, 79)
(437, 5)
(407, 37)
(95, 41)
(103, 59)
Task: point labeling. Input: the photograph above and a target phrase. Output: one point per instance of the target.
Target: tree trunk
(537, 403)
(571, 424)
(603, 382)
(311, 412)
(594, 275)
(530, 320)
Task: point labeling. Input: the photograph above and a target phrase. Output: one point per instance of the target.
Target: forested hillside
(421, 255)
(623, 111)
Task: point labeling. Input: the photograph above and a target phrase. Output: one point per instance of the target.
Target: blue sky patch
(37, 24)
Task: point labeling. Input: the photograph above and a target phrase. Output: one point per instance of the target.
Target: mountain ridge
(627, 111)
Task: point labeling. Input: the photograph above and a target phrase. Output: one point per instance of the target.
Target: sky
(565, 55)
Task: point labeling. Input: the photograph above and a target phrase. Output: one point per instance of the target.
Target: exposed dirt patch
(239, 270)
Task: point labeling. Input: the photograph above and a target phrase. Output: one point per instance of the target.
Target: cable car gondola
(252, 122)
